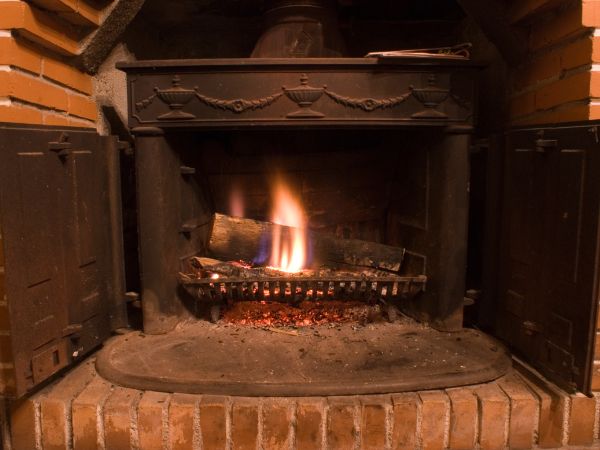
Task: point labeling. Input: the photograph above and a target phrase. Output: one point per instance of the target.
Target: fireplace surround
(378, 151)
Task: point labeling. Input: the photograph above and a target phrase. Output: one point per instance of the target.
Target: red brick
(463, 419)
(522, 9)
(23, 424)
(404, 434)
(277, 417)
(182, 412)
(20, 86)
(118, 412)
(85, 414)
(17, 54)
(55, 119)
(575, 87)
(82, 106)
(55, 406)
(493, 408)
(373, 423)
(434, 410)
(595, 59)
(596, 367)
(590, 13)
(244, 424)
(74, 11)
(309, 424)
(67, 75)
(213, 422)
(151, 408)
(552, 404)
(39, 26)
(341, 430)
(562, 25)
(21, 114)
(523, 412)
(577, 53)
(571, 112)
(581, 420)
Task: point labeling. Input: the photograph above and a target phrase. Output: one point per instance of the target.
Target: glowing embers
(288, 245)
(305, 313)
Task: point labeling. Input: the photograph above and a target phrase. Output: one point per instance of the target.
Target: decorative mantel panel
(293, 92)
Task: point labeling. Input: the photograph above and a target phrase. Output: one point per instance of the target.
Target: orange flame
(288, 250)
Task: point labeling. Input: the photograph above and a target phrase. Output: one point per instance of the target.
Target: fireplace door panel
(547, 303)
(55, 223)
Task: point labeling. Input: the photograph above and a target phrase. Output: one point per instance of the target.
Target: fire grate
(298, 288)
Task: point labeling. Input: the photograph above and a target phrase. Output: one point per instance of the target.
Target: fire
(288, 245)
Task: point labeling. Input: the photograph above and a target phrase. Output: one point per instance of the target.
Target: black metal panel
(547, 285)
(298, 92)
(56, 231)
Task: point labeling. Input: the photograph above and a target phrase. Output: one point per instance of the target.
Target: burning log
(236, 238)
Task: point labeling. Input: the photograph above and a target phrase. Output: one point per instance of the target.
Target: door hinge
(542, 145)
(62, 147)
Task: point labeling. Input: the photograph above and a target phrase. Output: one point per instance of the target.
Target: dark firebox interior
(373, 185)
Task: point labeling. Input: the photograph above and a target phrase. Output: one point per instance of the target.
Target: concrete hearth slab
(345, 359)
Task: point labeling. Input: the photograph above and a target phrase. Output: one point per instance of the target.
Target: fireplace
(375, 153)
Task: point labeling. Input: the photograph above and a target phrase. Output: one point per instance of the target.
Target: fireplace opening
(371, 301)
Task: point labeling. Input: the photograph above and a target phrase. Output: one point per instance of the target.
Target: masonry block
(86, 412)
(55, 406)
(581, 421)
(213, 412)
(118, 413)
(463, 419)
(309, 424)
(182, 416)
(244, 423)
(434, 410)
(404, 434)
(523, 413)
(277, 417)
(493, 410)
(341, 429)
(152, 407)
(373, 422)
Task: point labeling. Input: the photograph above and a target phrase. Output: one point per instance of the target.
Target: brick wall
(560, 80)
(38, 85)
(83, 411)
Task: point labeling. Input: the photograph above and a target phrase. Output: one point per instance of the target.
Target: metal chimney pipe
(300, 29)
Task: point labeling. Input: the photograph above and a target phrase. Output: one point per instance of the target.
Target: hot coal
(306, 313)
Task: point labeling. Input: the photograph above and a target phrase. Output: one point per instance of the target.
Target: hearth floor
(340, 359)
(82, 410)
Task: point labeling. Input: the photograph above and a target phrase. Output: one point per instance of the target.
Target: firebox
(372, 156)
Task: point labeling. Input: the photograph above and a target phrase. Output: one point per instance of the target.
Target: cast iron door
(55, 224)
(549, 248)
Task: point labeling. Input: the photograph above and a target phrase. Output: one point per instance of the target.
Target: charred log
(236, 238)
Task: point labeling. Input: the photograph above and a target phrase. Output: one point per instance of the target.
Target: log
(236, 238)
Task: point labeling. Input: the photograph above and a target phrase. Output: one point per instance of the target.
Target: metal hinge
(541, 144)
(186, 170)
(62, 147)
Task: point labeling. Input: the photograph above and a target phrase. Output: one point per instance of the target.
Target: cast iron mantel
(299, 92)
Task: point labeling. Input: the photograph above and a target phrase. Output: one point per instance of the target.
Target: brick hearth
(83, 411)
